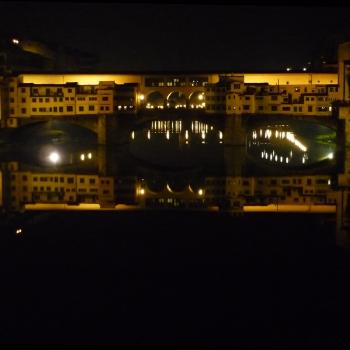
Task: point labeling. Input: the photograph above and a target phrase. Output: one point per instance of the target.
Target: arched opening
(176, 99)
(177, 185)
(156, 185)
(197, 100)
(155, 100)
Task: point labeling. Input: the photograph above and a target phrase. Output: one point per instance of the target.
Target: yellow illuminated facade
(43, 95)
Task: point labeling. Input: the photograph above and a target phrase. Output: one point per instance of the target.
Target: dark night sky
(182, 37)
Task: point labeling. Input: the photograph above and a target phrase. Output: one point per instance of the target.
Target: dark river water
(174, 257)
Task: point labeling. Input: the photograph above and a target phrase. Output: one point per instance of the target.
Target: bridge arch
(176, 99)
(197, 99)
(155, 99)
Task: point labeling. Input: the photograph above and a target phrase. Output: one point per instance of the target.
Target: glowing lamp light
(142, 191)
(200, 192)
(15, 41)
(82, 156)
(330, 155)
(200, 97)
(18, 231)
(141, 97)
(89, 155)
(54, 157)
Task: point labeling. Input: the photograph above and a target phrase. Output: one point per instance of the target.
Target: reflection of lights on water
(186, 134)
(149, 134)
(167, 135)
(54, 157)
(276, 158)
(220, 135)
(133, 134)
(287, 160)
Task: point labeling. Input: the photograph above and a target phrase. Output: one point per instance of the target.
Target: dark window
(91, 108)
(55, 109)
(23, 90)
(81, 108)
(23, 110)
(246, 107)
(60, 109)
(285, 108)
(309, 182)
(82, 180)
(70, 180)
(40, 100)
(69, 90)
(47, 99)
(105, 98)
(92, 181)
(273, 108)
(69, 108)
(309, 108)
(23, 100)
(33, 99)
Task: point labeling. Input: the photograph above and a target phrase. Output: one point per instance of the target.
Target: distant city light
(142, 191)
(18, 231)
(82, 156)
(54, 157)
(89, 155)
(15, 41)
(288, 69)
(200, 192)
(304, 69)
(141, 97)
(330, 155)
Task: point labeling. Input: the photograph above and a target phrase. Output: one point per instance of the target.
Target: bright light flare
(15, 41)
(54, 157)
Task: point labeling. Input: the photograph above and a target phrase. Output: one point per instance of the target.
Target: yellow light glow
(200, 97)
(200, 192)
(141, 97)
(82, 156)
(89, 155)
(18, 231)
(142, 191)
(133, 134)
(15, 41)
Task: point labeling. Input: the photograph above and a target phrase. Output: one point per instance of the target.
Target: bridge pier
(101, 129)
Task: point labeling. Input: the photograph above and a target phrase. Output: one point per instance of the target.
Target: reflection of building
(34, 187)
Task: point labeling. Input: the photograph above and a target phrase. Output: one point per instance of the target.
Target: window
(69, 108)
(82, 180)
(72, 98)
(47, 99)
(273, 108)
(66, 98)
(81, 108)
(23, 110)
(286, 108)
(91, 108)
(309, 108)
(23, 100)
(12, 99)
(40, 100)
(55, 109)
(102, 108)
(105, 98)
(246, 107)
(274, 98)
(69, 90)
(60, 109)
(23, 90)
(92, 181)
(33, 99)
(295, 109)
(12, 111)
(70, 180)
(107, 108)
(236, 86)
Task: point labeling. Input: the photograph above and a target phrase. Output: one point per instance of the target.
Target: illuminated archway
(197, 100)
(176, 99)
(154, 100)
